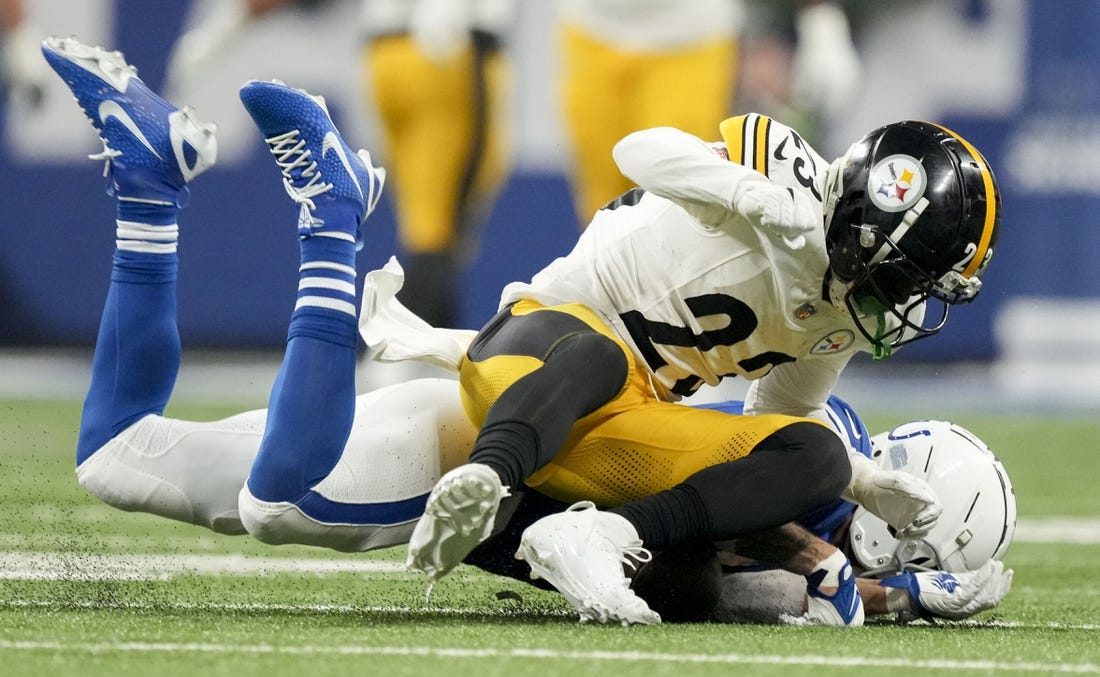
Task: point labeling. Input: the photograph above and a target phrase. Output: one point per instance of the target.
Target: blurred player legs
(445, 146)
(609, 92)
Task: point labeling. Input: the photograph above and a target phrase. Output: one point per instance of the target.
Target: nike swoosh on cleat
(188, 170)
(112, 109)
(332, 142)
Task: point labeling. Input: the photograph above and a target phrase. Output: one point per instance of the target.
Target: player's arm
(770, 595)
(698, 177)
(682, 168)
(799, 388)
(802, 388)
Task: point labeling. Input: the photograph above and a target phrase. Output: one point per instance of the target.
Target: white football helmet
(979, 506)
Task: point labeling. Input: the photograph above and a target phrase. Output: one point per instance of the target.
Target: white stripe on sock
(327, 283)
(146, 201)
(325, 302)
(132, 230)
(336, 234)
(328, 265)
(146, 247)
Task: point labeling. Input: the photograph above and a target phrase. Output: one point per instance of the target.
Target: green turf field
(87, 590)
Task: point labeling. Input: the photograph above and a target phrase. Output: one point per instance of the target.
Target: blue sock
(313, 399)
(137, 350)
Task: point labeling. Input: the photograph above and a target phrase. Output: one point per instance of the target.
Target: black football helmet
(912, 214)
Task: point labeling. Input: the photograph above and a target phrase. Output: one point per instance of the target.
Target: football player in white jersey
(753, 257)
(301, 480)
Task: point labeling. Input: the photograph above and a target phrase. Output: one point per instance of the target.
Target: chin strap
(835, 291)
(879, 349)
(871, 307)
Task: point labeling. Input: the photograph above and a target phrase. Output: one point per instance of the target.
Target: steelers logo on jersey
(837, 341)
(896, 183)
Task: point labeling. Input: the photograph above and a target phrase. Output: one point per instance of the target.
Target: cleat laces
(631, 553)
(291, 154)
(108, 154)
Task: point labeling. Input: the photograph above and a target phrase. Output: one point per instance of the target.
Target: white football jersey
(698, 290)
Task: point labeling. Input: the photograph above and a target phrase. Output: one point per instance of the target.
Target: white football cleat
(581, 552)
(458, 516)
(954, 595)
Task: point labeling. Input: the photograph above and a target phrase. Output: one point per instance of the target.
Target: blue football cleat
(152, 148)
(842, 608)
(335, 188)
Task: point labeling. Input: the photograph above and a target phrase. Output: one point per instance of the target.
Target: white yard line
(607, 656)
(70, 566)
(267, 607)
(1072, 530)
(426, 609)
(89, 567)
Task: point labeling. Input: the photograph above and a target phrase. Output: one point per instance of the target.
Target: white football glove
(440, 28)
(773, 209)
(954, 595)
(905, 502)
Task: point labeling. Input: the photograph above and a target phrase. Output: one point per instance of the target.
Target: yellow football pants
(633, 446)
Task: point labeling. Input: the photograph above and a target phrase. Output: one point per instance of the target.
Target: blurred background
(1015, 77)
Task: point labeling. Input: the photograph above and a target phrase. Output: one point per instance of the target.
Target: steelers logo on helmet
(896, 183)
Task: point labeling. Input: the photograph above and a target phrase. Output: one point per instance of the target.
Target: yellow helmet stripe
(760, 163)
(733, 134)
(990, 205)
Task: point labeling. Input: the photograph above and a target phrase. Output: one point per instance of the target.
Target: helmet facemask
(891, 300)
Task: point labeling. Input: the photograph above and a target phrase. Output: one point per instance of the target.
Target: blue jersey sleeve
(847, 421)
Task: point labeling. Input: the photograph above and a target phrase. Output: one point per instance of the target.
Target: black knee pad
(580, 373)
(600, 363)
